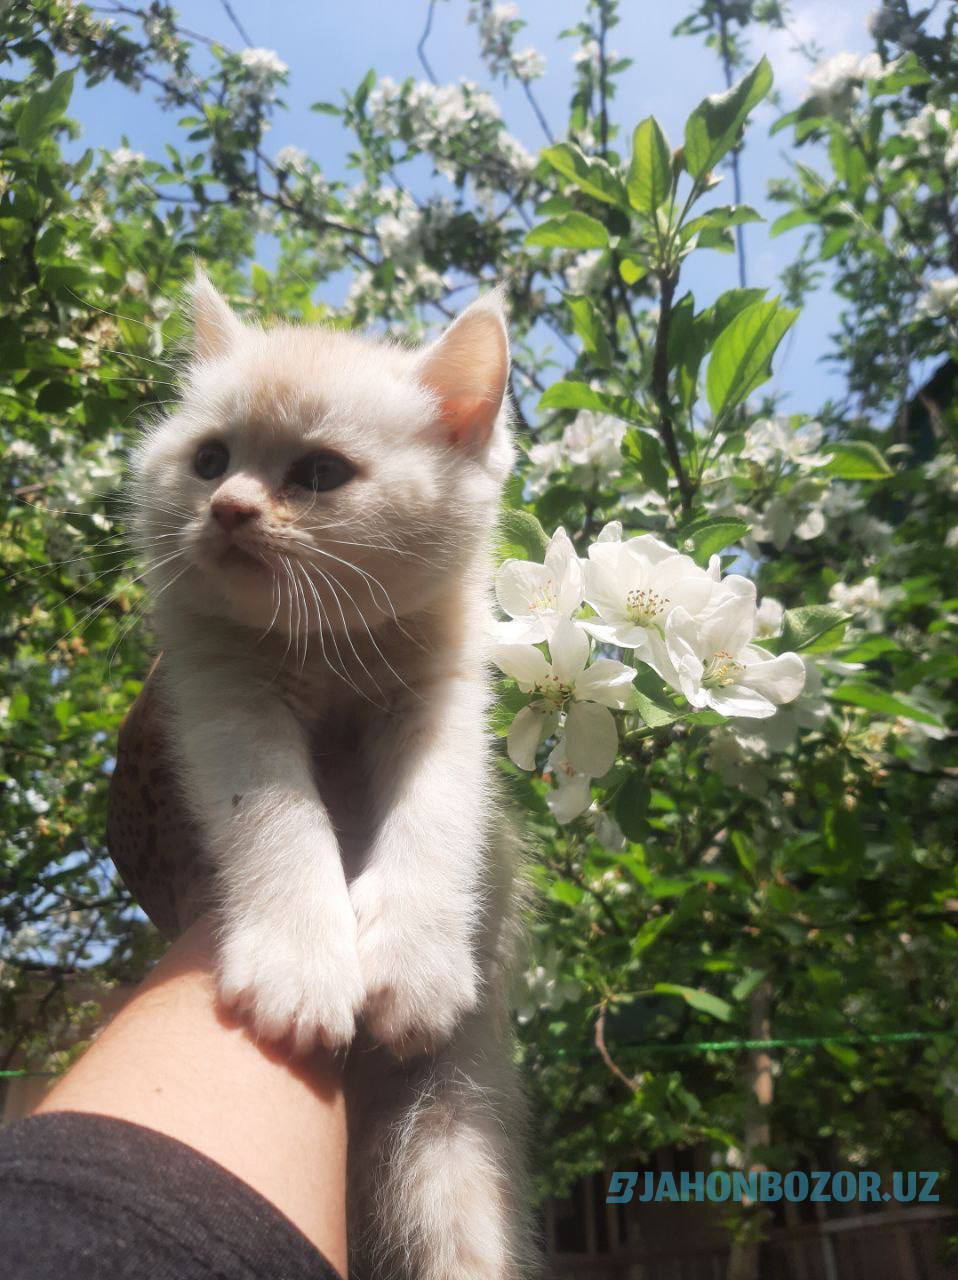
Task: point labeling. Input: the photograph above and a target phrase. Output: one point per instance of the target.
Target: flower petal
(523, 662)
(591, 738)
(728, 625)
(569, 648)
(605, 681)
(518, 631)
(739, 700)
(519, 584)
(626, 635)
(571, 797)
(559, 553)
(531, 725)
(779, 679)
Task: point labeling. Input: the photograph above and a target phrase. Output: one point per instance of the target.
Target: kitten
(317, 515)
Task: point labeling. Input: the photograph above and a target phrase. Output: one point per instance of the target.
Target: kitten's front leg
(418, 899)
(287, 931)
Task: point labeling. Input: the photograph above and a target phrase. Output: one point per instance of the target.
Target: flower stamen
(645, 607)
(721, 670)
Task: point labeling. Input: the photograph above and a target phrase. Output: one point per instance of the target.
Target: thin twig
(631, 1082)
(231, 14)
(421, 46)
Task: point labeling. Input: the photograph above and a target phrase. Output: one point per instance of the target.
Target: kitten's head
(309, 473)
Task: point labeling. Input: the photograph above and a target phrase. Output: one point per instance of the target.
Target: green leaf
(630, 806)
(856, 460)
(884, 704)
(713, 127)
(590, 327)
(571, 231)
(720, 219)
(741, 357)
(521, 529)
(649, 180)
(364, 90)
(632, 271)
(644, 451)
(704, 1001)
(43, 108)
(565, 891)
(803, 627)
(594, 177)
(747, 983)
(569, 394)
(505, 709)
(709, 535)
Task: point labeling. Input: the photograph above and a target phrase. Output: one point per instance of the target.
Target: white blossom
(711, 659)
(290, 159)
(940, 298)
(771, 441)
(537, 596)
(588, 272)
(831, 78)
(528, 64)
(633, 586)
(865, 600)
(572, 793)
(566, 686)
(123, 161)
(769, 618)
(594, 440)
(263, 64)
(795, 512)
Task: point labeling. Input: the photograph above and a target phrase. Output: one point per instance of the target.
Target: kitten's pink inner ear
(467, 369)
(216, 329)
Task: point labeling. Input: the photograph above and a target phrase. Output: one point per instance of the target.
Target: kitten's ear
(467, 369)
(216, 329)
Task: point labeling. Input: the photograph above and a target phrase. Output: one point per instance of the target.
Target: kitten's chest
(339, 719)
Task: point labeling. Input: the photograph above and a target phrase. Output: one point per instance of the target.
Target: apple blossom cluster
(591, 444)
(693, 627)
(498, 25)
(459, 125)
(843, 72)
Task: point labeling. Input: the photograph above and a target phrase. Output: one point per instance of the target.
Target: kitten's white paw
(293, 979)
(420, 976)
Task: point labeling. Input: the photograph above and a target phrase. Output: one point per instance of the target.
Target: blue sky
(329, 46)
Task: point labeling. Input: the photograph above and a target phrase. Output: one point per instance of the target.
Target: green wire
(719, 1046)
(795, 1042)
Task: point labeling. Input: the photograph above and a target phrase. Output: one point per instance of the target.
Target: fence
(907, 1244)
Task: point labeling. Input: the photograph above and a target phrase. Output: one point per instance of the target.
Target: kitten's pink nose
(232, 512)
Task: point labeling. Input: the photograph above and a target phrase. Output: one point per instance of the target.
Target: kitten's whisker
(289, 611)
(368, 577)
(349, 596)
(112, 314)
(346, 632)
(340, 671)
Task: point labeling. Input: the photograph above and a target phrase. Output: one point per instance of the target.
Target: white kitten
(317, 514)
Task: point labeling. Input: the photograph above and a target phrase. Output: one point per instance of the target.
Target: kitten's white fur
(326, 673)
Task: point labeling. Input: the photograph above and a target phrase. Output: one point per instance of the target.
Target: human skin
(173, 1060)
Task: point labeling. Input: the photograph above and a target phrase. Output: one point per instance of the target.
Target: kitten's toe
(419, 974)
(306, 992)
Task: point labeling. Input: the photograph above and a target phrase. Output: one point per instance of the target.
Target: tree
(718, 876)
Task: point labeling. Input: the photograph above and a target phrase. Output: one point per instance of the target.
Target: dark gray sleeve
(92, 1198)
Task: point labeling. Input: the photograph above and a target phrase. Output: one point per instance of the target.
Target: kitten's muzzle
(231, 512)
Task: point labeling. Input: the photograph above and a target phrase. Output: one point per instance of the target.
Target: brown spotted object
(152, 837)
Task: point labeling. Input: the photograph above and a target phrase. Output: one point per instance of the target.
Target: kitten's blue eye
(211, 460)
(320, 472)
